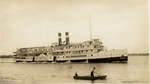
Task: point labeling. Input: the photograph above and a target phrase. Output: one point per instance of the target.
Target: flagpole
(90, 27)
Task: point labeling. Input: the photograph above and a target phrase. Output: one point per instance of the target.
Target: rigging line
(90, 27)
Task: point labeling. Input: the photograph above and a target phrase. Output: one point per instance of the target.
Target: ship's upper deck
(94, 42)
(84, 46)
(78, 48)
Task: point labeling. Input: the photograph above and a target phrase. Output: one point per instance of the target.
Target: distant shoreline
(6, 56)
(138, 54)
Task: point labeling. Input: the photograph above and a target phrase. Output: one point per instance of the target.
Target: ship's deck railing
(103, 54)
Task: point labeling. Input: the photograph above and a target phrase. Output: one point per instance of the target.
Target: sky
(119, 24)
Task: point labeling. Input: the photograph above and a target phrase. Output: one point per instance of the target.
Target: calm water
(135, 71)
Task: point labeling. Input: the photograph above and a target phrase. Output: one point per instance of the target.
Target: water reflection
(45, 73)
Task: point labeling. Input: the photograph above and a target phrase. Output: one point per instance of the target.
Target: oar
(97, 73)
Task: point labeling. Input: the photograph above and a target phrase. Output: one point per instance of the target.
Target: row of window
(34, 50)
(79, 46)
(75, 47)
(71, 56)
(73, 52)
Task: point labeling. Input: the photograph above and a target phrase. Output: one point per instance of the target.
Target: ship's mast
(90, 27)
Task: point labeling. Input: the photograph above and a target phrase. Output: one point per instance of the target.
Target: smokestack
(67, 37)
(59, 39)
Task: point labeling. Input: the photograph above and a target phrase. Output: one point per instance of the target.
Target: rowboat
(98, 77)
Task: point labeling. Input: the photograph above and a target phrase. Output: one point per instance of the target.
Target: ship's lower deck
(93, 60)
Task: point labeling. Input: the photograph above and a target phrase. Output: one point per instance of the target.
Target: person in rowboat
(92, 72)
(76, 74)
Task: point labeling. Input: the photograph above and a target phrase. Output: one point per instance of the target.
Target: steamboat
(91, 51)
